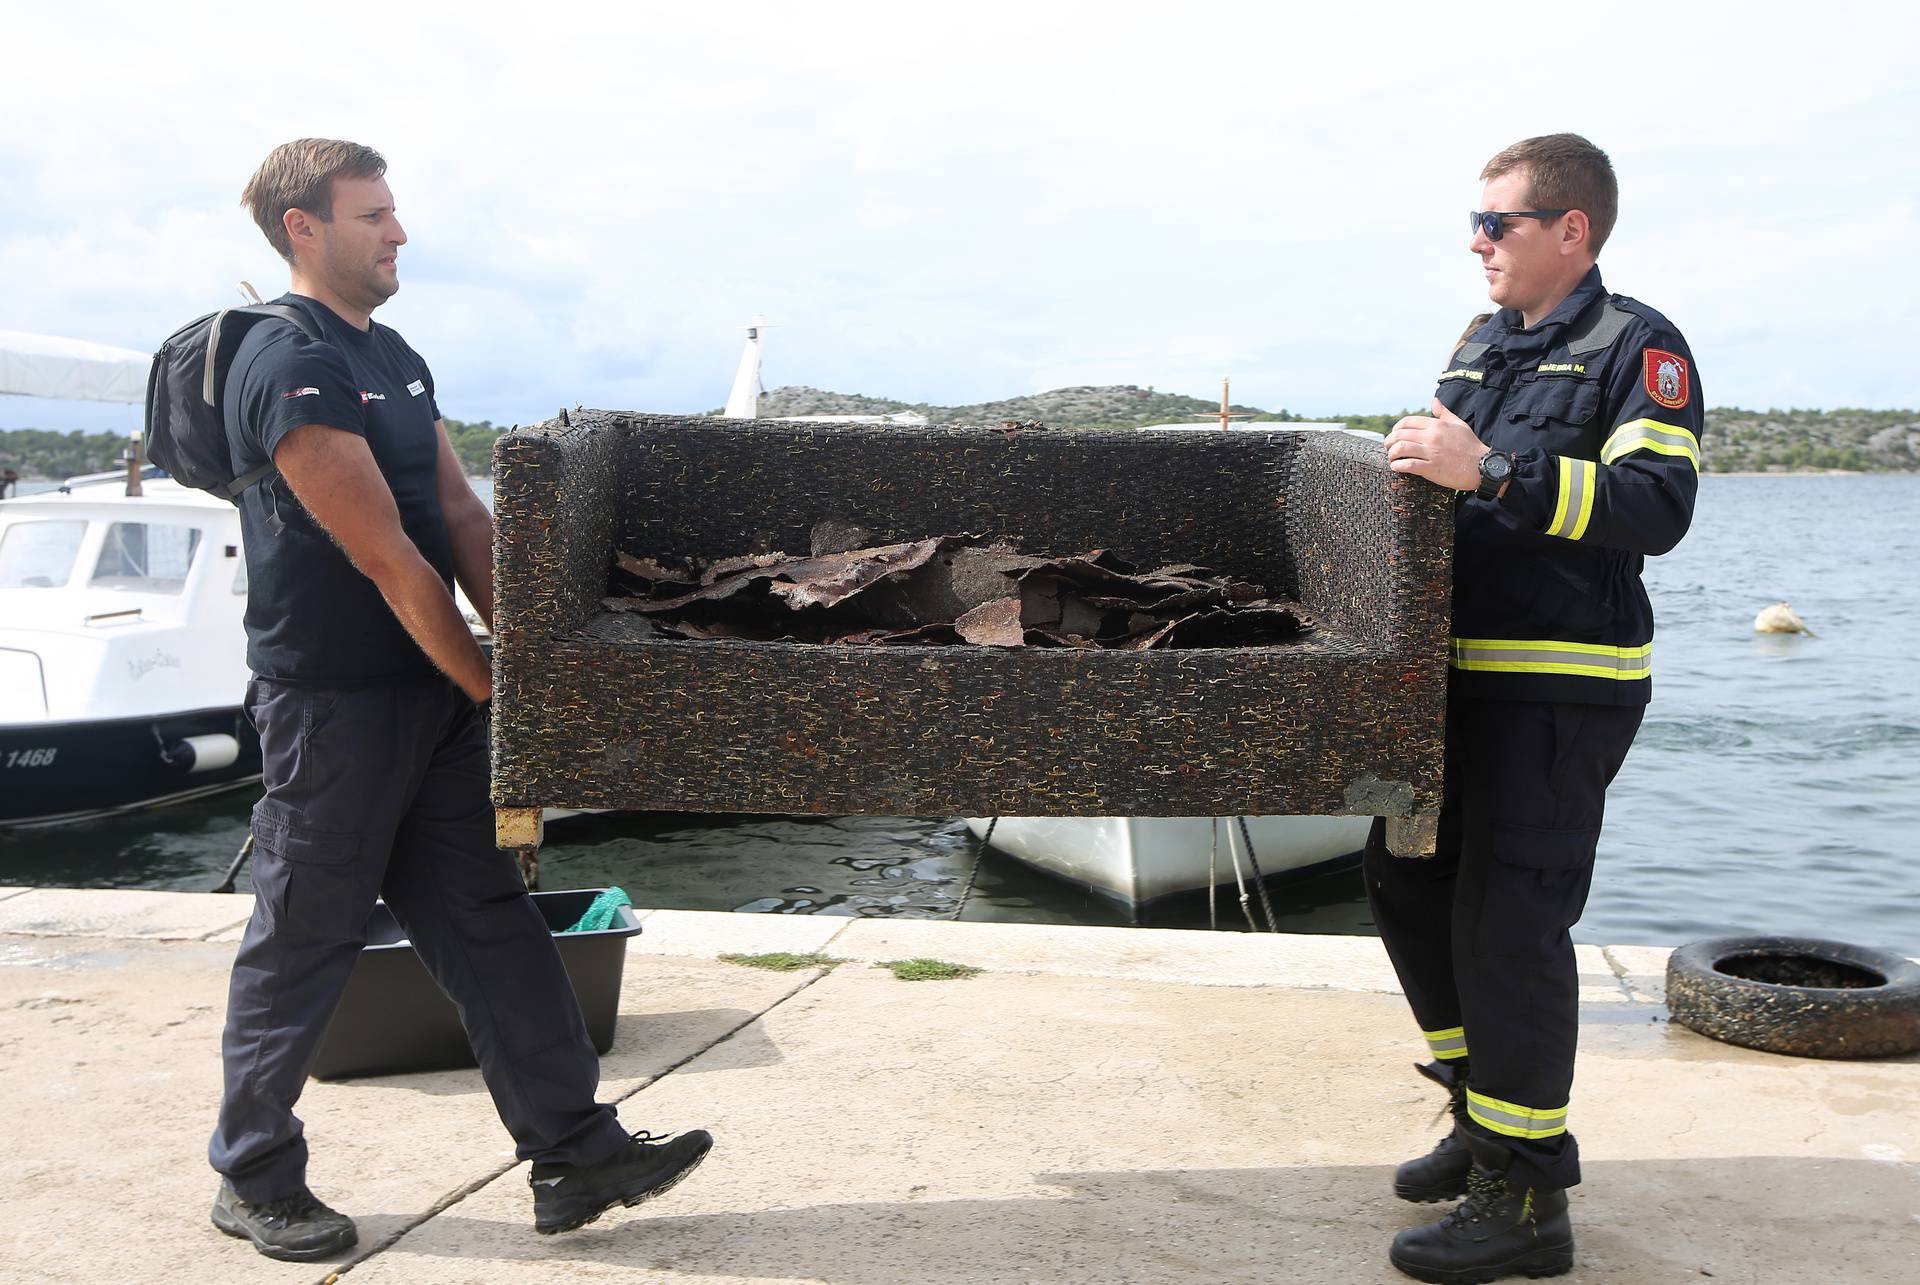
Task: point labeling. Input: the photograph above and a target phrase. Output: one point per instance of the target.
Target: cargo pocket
(284, 834)
(316, 891)
(1536, 888)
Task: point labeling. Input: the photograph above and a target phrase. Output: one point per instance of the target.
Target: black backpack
(186, 434)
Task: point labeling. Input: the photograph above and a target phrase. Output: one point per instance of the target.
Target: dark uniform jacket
(1600, 406)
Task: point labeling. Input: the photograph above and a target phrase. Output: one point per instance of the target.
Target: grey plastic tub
(394, 1017)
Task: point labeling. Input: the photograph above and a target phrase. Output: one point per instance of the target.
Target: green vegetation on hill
(1121, 405)
(473, 443)
(39, 454)
(1738, 441)
(1871, 441)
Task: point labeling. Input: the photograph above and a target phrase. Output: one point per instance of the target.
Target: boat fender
(196, 754)
(1797, 995)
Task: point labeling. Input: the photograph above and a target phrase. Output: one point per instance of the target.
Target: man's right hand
(335, 476)
(1440, 447)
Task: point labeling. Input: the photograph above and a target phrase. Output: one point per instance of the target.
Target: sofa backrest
(721, 487)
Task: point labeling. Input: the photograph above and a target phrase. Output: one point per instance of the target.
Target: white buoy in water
(1781, 618)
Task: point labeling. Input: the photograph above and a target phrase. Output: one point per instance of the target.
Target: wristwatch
(1496, 467)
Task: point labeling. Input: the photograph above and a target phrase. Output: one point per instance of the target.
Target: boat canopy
(71, 369)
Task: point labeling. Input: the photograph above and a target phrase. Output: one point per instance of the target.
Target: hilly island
(1737, 440)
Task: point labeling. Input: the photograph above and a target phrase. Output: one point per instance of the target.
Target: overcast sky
(959, 202)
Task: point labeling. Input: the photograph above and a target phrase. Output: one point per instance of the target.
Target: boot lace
(278, 1213)
(1484, 1191)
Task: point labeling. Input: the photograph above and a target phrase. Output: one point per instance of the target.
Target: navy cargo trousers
(384, 791)
(1478, 933)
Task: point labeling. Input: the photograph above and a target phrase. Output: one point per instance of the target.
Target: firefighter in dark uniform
(1570, 421)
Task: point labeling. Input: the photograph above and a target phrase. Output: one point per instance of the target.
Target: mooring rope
(1259, 880)
(978, 852)
(1213, 876)
(1240, 881)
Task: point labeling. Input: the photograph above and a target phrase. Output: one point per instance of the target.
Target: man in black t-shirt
(369, 694)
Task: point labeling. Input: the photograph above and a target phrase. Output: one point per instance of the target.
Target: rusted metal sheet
(949, 590)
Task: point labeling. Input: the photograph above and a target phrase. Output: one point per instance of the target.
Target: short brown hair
(299, 176)
(1564, 172)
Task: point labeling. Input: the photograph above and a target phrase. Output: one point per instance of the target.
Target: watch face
(1495, 466)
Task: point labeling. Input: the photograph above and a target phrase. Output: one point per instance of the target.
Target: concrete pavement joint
(461, 1192)
(1619, 974)
(838, 933)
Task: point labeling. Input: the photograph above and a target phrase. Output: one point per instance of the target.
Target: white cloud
(967, 202)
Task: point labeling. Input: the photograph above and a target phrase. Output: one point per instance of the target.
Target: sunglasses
(1493, 222)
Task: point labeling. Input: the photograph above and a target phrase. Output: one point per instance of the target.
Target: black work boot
(295, 1228)
(569, 1196)
(1501, 1229)
(1442, 1173)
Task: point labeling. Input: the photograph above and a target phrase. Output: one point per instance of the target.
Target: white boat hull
(1141, 859)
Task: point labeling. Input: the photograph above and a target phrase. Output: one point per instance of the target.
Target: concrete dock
(1098, 1105)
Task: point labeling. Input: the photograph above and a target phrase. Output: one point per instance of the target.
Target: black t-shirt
(311, 616)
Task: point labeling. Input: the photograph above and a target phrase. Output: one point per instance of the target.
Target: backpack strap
(209, 384)
(297, 317)
(230, 491)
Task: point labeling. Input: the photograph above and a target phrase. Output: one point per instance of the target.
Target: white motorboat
(1138, 860)
(122, 657)
(122, 599)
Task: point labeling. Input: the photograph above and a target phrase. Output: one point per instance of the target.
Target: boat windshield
(145, 557)
(40, 555)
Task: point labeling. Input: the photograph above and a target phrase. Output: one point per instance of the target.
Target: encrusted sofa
(590, 712)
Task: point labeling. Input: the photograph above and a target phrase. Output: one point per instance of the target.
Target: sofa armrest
(1372, 549)
(556, 521)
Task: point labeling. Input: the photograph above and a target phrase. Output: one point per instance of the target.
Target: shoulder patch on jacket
(1666, 378)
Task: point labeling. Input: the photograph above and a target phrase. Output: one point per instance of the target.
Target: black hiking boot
(569, 1196)
(1501, 1229)
(295, 1228)
(1441, 1174)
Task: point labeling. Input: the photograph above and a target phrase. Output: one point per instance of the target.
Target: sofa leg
(518, 827)
(1414, 836)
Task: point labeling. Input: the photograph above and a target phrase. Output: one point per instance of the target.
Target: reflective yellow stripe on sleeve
(1575, 507)
(1542, 656)
(1516, 1121)
(1448, 1044)
(1651, 435)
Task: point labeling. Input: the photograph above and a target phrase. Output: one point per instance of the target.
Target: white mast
(744, 401)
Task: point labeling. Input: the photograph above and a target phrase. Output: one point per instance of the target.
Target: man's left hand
(1440, 447)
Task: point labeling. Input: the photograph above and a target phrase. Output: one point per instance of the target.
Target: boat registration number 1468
(31, 758)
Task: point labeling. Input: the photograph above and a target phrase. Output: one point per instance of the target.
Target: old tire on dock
(1797, 995)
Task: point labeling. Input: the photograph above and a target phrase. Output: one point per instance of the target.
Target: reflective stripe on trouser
(1448, 1044)
(1545, 656)
(1514, 1120)
(1478, 933)
(1573, 506)
(1651, 435)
